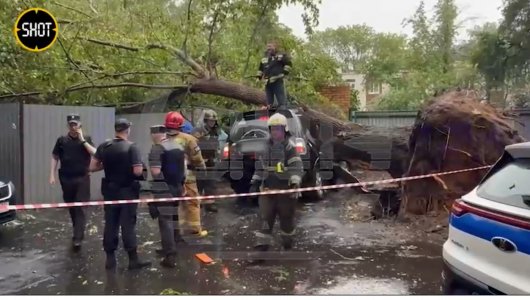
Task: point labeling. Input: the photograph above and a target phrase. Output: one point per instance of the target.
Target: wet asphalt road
(333, 256)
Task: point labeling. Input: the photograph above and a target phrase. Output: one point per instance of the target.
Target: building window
(351, 82)
(374, 88)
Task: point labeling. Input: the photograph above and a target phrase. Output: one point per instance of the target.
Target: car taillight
(300, 146)
(226, 152)
(460, 208)
(263, 118)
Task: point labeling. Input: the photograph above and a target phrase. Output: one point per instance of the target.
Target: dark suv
(7, 196)
(248, 136)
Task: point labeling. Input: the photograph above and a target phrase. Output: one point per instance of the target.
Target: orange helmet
(174, 120)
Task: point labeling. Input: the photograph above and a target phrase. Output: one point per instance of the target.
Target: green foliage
(490, 56)
(445, 16)
(173, 292)
(516, 28)
(355, 102)
(226, 37)
(349, 45)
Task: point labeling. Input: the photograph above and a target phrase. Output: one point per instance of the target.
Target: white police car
(488, 249)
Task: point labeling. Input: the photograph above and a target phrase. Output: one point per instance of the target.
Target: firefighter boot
(135, 262)
(211, 207)
(169, 261)
(259, 248)
(110, 262)
(287, 242)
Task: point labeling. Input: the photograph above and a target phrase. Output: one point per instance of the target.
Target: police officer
(274, 66)
(189, 211)
(278, 168)
(74, 151)
(121, 161)
(211, 140)
(167, 161)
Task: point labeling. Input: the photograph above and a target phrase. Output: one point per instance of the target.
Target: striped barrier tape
(5, 207)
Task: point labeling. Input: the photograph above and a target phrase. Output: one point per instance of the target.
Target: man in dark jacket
(121, 161)
(167, 161)
(273, 68)
(74, 151)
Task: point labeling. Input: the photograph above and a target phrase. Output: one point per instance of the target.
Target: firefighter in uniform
(121, 161)
(167, 162)
(189, 211)
(280, 167)
(273, 68)
(211, 140)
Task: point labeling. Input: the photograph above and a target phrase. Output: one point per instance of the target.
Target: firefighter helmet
(278, 120)
(210, 114)
(174, 120)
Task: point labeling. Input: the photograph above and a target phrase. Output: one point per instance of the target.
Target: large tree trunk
(251, 95)
(361, 146)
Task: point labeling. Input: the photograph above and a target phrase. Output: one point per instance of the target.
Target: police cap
(158, 129)
(122, 124)
(73, 118)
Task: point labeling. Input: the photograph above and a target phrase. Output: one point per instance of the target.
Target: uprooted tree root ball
(453, 131)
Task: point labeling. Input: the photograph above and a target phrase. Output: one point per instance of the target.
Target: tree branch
(71, 8)
(253, 36)
(210, 37)
(91, 5)
(20, 95)
(177, 52)
(125, 84)
(183, 57)
(111, 44)
(71, 61)
(187, 29)
(103, 86)
(116, 75)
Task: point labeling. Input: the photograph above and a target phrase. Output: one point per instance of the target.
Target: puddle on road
(365, 286)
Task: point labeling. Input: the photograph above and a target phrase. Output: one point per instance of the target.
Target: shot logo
(36, 29)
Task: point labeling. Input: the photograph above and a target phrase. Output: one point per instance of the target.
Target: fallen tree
(451, 132)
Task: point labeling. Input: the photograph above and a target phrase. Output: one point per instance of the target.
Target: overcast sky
(387, 15)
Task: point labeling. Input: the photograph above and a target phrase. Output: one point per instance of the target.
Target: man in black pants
(121, 161)
(73, 150)
(273, 68)
(167, 160)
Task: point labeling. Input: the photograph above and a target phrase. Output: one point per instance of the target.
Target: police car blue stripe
(488, 229)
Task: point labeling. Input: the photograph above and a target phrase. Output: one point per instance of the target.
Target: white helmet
(278, 120)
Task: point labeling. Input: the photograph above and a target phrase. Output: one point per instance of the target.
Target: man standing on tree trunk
(74, 152)
(273, 68)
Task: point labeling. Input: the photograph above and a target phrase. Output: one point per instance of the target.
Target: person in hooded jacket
(211, 140)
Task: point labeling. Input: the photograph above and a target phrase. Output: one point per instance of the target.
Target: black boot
(169, 261)
(160, 252)
(110, 262)
(211, 207)
(259, 248)
(76, 246)
(287, 242)
(135, 262)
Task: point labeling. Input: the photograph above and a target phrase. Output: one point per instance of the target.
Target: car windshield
(509, 185)
(254, 125)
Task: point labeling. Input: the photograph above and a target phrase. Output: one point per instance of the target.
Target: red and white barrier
(5, 207)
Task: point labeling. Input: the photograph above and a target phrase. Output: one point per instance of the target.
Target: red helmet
(174, 120)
